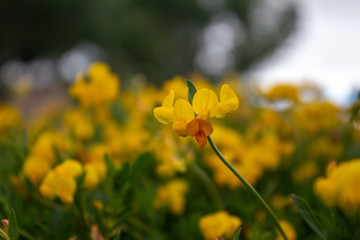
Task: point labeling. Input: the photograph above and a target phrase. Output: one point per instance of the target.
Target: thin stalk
(25, 234)
(251, 188)
(209, 185)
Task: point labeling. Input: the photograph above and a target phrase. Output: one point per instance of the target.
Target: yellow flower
(77, 122)
(60, 182)
(9, 118)
(92, 177)
(288, 229)
(283, 92)
(172, 195)
(219, 224)
(35, 168)
(340, 187)
(205, 105)
(101, 87)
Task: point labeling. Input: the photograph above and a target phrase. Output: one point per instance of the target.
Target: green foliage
(307, 214)
(191, 90)
(237, 234)
(13, 227)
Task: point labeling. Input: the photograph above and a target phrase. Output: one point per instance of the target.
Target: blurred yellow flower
(172, 195)
(219, 224)
(340, 186)
(78, 123)
(100, 87)
(317, 116)
(35, 169)
(282, 92)
(60, 182)
(288, 229)
(9, 118)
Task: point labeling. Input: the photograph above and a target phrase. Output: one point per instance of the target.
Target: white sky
(325, 49)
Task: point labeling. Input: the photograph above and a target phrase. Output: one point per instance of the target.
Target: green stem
(251, 188)
(3, 235)
(25, 234)
(209, 185)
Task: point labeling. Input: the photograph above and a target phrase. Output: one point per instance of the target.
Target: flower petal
(180, 128)
(201, 139)
(199, 125)
(228, 101)
(183, 111)
(164, 115)
(205, 103)
(205, 127)
(169, 100)
(193, 127)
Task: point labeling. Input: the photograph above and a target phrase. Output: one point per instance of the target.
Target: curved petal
(205, 103)
(183, 111)
(228, 101)
(164, 115)
(169, 100)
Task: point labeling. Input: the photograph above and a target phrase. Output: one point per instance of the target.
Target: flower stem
(248, 185)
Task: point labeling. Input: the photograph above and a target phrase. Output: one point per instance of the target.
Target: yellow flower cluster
(60, 182)
(205, 105)
(79, 124)
(42, 155)
(341, 186)
(317, 116)
(282, 92)
(9, 118)
(100, 87)
(172, 195)
(219, 224)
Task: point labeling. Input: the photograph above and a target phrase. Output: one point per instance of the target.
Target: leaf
(13, 227)
(237, 234)
(110, 165)
(191, 90)
(139, 164)
(306, 213)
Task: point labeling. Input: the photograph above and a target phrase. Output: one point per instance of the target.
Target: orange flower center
(200, 129)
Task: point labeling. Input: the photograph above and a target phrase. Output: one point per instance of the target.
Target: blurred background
(44, 44)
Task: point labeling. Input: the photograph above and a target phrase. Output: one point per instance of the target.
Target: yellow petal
(169, 100)
(164, 115)
(205, 103)
(179, 128)
(183, 111)
(228, 101)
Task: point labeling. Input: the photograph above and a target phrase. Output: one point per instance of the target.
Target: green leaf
(237, 234)
(13, 227)
(117, 235)
(3, 235)
(306, 213)
(110, 165)
(191, 90)
(140, 163)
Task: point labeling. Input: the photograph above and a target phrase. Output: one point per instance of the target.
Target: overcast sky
(325, 49)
